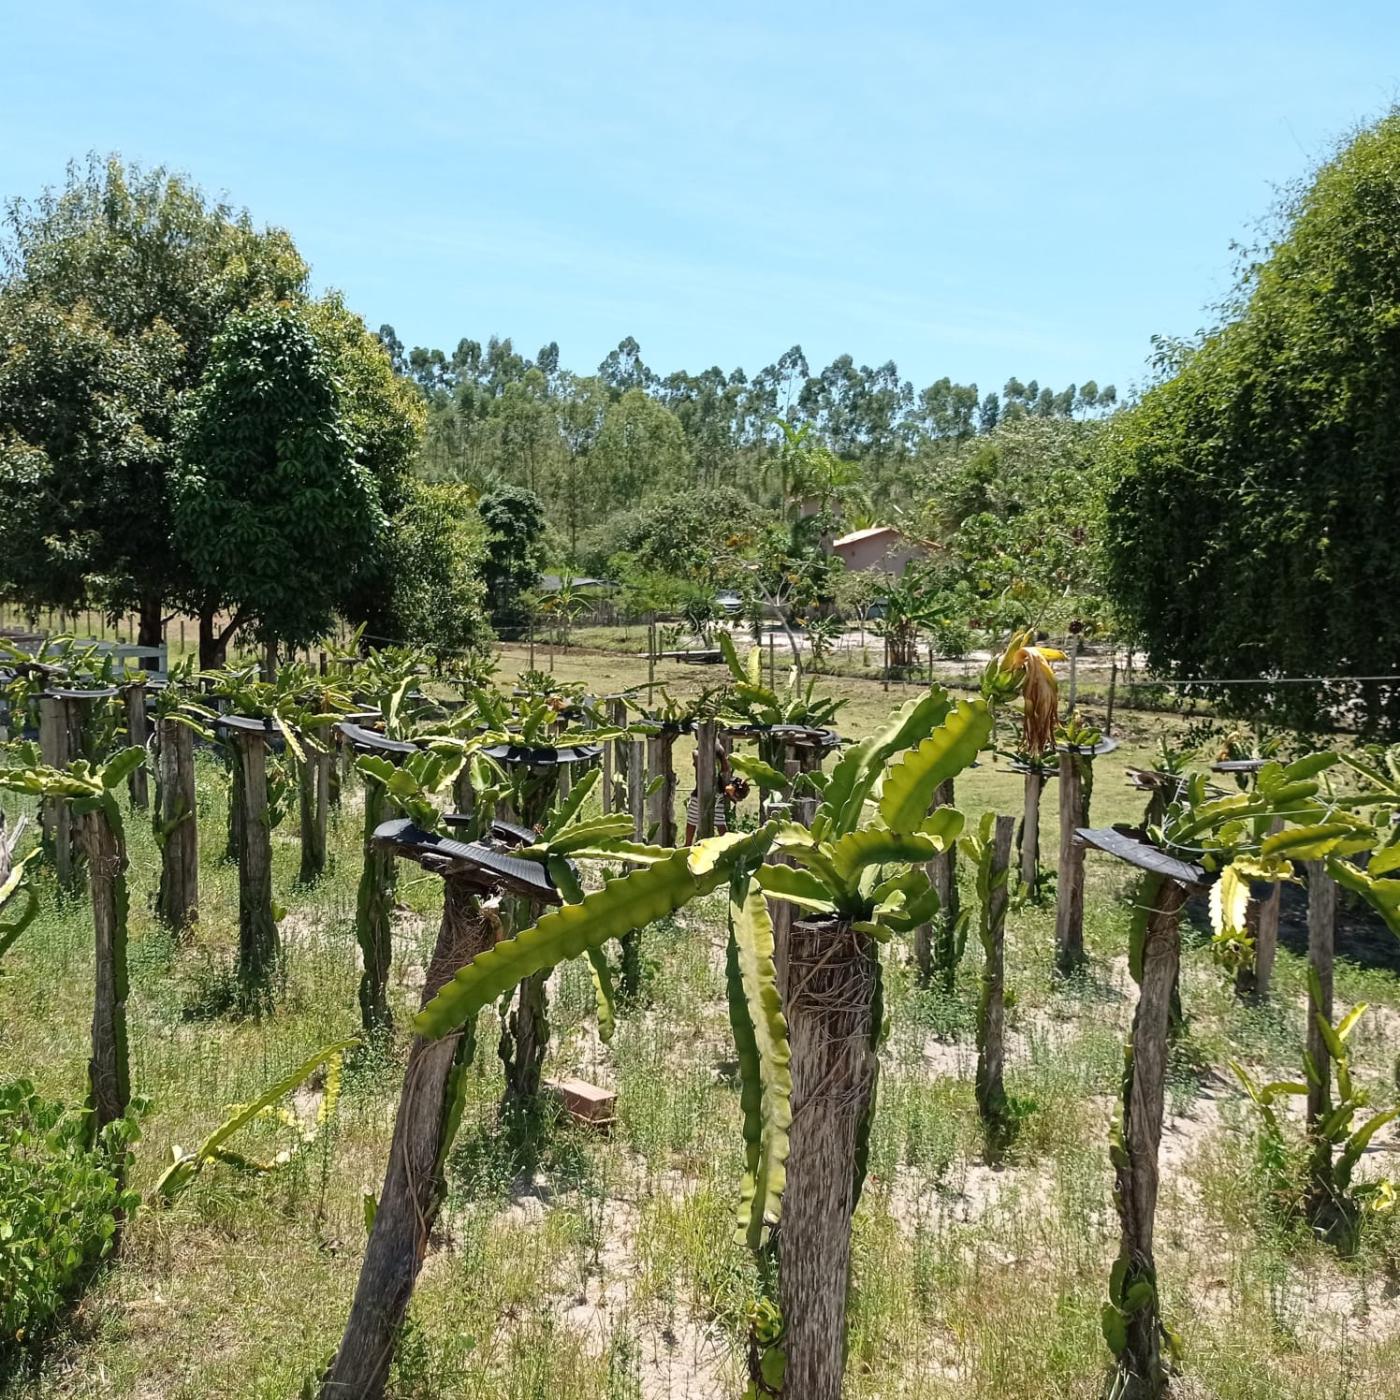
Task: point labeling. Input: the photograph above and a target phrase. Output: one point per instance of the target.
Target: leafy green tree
(436, 553)
(112, 291)
(270, 501)
(1251, 517)
(514, 520)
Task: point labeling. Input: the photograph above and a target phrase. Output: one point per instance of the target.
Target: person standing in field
(729, 788)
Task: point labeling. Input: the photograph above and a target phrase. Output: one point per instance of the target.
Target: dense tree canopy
(597, 446)
(514, 521)
(270, 504)
(116, 292)
(113, 289)
(1251, 525)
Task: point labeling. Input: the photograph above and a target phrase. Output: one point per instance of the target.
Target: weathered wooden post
(55, 820)
(1133, 1321)
(259, 945)
(1035, 775)
(66, 734)
(1322, 933)
(1266, 932)
(413, 1188)
(993, 883)
(661, 796)
(109, 1073)
(137, 733)
(706, 748)
(313, 805)
(525, 1033)
(374, 897)
(177, 899)
(1076, 774)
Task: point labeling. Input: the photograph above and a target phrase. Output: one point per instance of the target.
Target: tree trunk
(1141, 1371)
(137, 733)
(525, 1036)
(177, 900)
(150, 629)
(413, 1186)
(943, 876)
(829, 996)
(991, 1009)
(373, 905)
(1322, 926)
(1069, 888)
(1030, 835)
(313, 797)
(108, 1071)
(55, 818)
(259, 948)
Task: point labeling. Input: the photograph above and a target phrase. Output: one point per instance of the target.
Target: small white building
(880, 549)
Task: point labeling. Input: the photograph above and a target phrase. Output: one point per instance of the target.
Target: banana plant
(185, 1166)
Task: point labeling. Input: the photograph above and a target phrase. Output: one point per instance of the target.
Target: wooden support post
(54, 816)
(177, 899)
(1322, 932)
(1266, 935)
(259, 946)
(933, 948)
(413, 1188)
(705, 776)
(137, 733)
(313, 803)
(1112, 693)
(108, 1070)
(828, 1002)
(1030, 833)
(661, 804)
(1069, 889)
(991, 1008)
(1073, 677)
(1141, 1371)
(464, 792)
(565, 783)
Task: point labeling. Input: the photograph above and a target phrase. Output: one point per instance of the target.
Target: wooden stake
(991, 1009)
(1069, 889)
(137, 732)
(177, 899)
(705, 749)
(1322, 932)
(259, 947)
(1030, 833)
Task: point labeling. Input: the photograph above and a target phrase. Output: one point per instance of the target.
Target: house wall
(887, 553)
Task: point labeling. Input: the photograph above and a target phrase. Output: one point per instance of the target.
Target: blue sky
(971, 190)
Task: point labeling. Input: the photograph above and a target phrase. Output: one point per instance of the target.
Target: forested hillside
(592, 445)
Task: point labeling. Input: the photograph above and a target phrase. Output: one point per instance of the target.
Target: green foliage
(61, 1203)
(760, 1039)
(270, 501)
(114, 288)
(1280, 428)
(185, 1166)
(514, 520)
(1338, 1201)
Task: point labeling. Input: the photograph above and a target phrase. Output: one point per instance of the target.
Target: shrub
(61, 1201)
